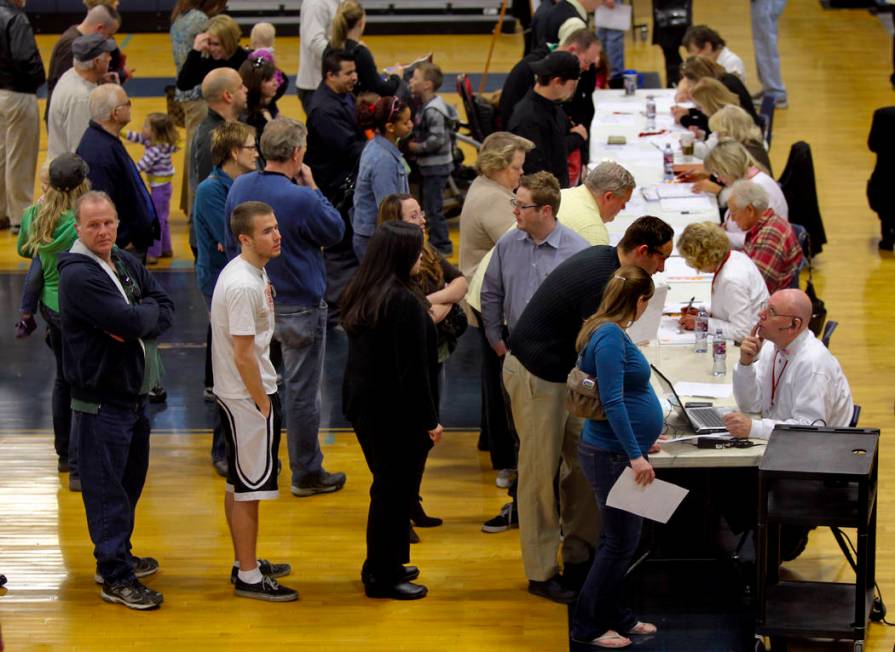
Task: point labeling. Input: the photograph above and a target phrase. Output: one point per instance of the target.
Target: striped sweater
(156, 160)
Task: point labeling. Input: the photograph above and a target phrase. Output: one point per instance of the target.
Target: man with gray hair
(308, 223)
(102, 20)
(770, 241)
(69, 116)
(587, 208)
(113, 171)
(112, 312)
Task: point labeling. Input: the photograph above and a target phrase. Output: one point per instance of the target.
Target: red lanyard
(775, 379)
(718, 271)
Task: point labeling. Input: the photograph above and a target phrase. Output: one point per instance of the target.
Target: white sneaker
(505, 478)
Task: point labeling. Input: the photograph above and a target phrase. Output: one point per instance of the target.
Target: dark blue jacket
(210, 222)
(100, 368)
(113, 171)
(335, 142)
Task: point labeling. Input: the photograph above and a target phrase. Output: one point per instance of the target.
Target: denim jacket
(382, 172)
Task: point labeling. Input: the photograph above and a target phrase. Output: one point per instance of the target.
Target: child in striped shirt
(160, 138)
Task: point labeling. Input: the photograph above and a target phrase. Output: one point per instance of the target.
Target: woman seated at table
(709, 96)
(729, 162)
(633, 422)
(444, 287)
(696, 68)
(738, 289)
(732, 122)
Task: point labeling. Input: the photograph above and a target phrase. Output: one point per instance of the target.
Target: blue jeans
(433, 206)
(113, 457)
(359, 243)
(613, 41)
(599, 604)
(765, 14)
(301, 331)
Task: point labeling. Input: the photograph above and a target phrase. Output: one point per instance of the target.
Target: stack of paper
(704, 390)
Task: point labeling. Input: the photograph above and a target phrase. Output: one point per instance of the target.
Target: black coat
(545, 26)
(369, 79)
(391, 373)
(882, 142)
(800, 190)
(545, 124)
(197, 66)
(21, 68)
(335, 142)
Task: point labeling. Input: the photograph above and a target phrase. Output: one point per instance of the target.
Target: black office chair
(829, 327)
(855, 415)
(766, 111)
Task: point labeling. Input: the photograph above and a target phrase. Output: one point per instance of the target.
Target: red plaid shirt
(773, 247)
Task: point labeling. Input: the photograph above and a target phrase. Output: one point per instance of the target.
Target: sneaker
(506, 520)
(132, 594)
(74, 483)
(266, 589)
(321, 482)
(142, 566)
(208, 395)
(505, 478)
(781, 104)
(267, 569)
(158, 394)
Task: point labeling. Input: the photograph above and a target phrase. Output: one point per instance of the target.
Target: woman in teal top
(633, 422)
(48, 229)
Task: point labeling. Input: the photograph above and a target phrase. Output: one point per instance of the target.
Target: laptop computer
(703, 420)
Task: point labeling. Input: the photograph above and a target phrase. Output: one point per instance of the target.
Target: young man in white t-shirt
(245, 384)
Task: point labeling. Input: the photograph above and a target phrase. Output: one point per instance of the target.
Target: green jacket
(63, 238)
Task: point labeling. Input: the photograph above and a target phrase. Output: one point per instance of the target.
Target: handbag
(454, 325)
(583, 394)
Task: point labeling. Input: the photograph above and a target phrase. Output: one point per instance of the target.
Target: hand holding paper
(656, 501)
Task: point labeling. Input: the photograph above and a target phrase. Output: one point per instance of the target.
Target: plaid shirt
(773, 247)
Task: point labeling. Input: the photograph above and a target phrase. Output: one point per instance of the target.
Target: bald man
(793, 378)
(113, 171)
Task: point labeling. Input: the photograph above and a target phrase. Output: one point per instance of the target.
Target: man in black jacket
(21, 74)
(113, 171)
(540, 118)
(335, 144)
(112, 312)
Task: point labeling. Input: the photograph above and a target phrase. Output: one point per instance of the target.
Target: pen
(690, 305)
(685, 212)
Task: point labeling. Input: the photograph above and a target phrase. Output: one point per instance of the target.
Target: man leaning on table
(586, 209)
(791, 379)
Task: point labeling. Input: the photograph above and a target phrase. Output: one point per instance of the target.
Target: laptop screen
(670, 394)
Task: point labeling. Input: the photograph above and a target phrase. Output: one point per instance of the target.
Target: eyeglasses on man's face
(515, 203)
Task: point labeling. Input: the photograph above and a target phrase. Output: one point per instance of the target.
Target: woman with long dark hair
(263, 89)
(633, 422)
(388, 396)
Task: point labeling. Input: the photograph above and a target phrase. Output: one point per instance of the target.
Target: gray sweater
(431, 129)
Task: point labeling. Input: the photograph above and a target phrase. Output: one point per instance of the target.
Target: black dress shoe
(553, 590)
(421, 519)
(410, 573)
(412, 536)
(400, 591)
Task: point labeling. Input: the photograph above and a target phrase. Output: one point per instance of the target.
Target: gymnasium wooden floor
(836, 66)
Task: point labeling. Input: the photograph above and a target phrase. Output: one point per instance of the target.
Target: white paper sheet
(703, 390)
(619, 17)
(677, 268)
(670, 332)
(646, 328)
(656, 501)
(670, 190)
(686, 205)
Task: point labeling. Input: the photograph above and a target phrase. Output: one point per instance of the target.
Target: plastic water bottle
(668, 162)
(650, 112)
(719, 354)
(701, 331)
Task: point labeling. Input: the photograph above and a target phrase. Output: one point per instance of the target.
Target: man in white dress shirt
(791, 379)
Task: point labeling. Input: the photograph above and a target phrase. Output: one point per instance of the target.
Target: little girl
(160, 138)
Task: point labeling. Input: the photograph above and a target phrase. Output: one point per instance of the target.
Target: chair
(805, 244)
(766, 111)
(799, 188)
(829, 327)
(855, 415)
(480, 115)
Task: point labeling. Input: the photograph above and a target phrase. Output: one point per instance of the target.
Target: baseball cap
(88, 48)
(68, 171)
(558, 64)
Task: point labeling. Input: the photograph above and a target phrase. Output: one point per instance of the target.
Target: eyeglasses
(771, 312)
(516, 204)
(659, 253)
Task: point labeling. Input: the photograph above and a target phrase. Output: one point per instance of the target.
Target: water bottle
(701, 331)
(719, 354)
(630, 82)
(650, 112)
(668, 162)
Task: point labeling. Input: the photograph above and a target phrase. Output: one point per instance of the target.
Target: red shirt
(773, 247)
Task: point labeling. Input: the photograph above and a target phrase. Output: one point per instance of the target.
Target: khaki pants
(548, 443)
(194, 112)
(19, 143)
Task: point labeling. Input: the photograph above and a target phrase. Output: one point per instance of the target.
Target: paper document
(676, 267)
(670, 190)
(685, 205)
(619, 17)
(671, 333)
(656, 501)
(703, 390)
(646, 328)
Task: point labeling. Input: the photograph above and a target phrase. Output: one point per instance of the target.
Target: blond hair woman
(738, 288)
(624, 439)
